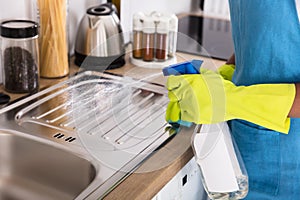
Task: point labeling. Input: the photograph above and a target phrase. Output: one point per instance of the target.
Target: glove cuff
(267, 105)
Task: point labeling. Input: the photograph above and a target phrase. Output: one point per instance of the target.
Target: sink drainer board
(119, 121)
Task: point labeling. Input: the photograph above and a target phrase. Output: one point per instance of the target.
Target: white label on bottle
(218, 163)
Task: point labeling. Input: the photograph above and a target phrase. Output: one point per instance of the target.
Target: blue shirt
(266, 36)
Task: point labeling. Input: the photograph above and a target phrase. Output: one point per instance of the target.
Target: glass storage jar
(162, 31)
(53, 41)
(148, 39)
(20, 56)
(137, 35)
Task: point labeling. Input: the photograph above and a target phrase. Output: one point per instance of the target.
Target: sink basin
(31, 169)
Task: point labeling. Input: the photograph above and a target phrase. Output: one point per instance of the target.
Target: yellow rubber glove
(208, 98)
(226, 71)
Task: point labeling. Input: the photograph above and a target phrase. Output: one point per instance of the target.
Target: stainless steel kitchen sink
(31, 169)
(79, 138)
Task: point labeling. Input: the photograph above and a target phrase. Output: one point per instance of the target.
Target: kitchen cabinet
(186, 184)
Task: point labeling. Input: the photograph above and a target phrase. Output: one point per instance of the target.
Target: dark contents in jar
(20, 70)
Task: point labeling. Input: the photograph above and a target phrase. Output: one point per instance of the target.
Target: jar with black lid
(20, 56)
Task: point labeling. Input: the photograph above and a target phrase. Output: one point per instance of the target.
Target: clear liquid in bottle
(223, 173)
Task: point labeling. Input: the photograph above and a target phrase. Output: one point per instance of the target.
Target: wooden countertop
(158, 170)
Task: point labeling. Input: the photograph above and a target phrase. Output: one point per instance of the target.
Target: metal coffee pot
(100, 42)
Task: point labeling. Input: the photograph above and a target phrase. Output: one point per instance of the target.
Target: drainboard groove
(88, 102)
(122, 115)
(142, 123)
(51, 121)
(104, 115)
(64, 105)
(67, 113)
(134, 121)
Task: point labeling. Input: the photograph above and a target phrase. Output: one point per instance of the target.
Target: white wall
(16, 9)
(26, 9)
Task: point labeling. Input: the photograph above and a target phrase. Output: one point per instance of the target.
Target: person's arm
(231, 60)
(295, 110)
